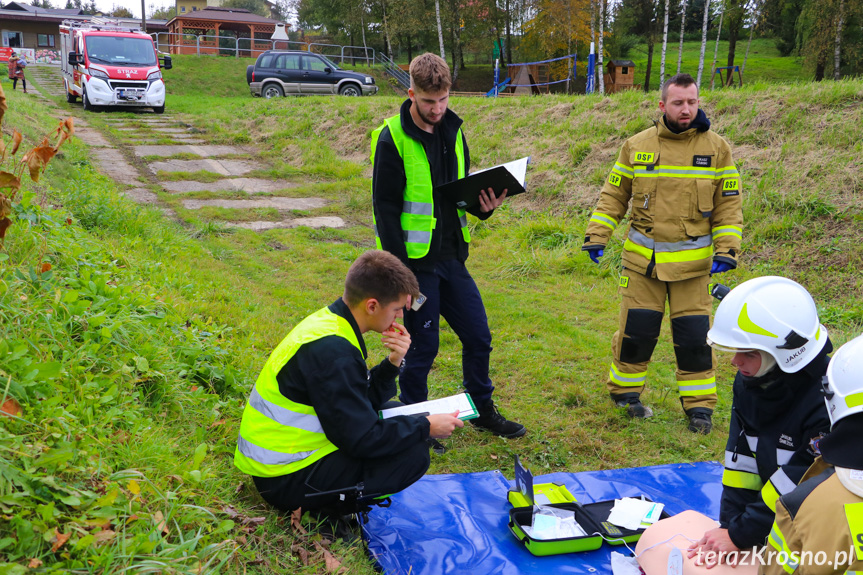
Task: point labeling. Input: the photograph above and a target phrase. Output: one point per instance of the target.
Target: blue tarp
(457, 523)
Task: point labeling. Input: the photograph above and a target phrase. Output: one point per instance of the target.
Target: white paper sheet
(459, 402)
(518, 169)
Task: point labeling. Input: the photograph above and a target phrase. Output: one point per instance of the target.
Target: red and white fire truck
(108, 64)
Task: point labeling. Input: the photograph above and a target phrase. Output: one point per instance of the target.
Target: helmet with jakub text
(772, 314)
(843, 389)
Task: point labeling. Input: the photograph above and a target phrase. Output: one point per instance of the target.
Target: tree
(735, 13)
(550, 32)
(682, 28)
(599, 49)
(258, 7)
(716, 46)
(439, 29)
(754, 21)
(120, 12)
(639, 18)
(664, 46)
(162, 13)
(703, 42)
(837, 50)
(41, 4)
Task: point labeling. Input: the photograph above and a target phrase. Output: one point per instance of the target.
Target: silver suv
(283, 73)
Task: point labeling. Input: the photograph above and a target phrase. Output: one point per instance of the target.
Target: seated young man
(310, 430)
(777, 412)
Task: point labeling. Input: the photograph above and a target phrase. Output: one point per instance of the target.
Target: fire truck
(108, 64)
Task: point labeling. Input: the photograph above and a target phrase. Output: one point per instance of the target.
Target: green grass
(764, 63)
(132, 357)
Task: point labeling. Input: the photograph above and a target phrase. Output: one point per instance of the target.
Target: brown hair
(682, 80)
(430, 73)
(380, 275)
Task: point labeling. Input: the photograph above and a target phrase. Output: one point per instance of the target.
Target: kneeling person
(777, 412)
(311, 423)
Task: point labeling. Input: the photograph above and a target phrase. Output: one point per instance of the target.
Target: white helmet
(771, 314)
(843, 390)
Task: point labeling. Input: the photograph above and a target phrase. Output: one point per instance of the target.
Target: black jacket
(388, 187)
(330, 374)
(784, 417)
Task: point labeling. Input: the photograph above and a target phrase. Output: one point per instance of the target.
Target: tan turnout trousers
(641, 312)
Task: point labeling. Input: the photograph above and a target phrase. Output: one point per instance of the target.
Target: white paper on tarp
(631, 513)
(623, 565)
(518, 169)
(458, 402)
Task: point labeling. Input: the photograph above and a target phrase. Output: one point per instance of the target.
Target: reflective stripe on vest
(279, 436)
(417, 218)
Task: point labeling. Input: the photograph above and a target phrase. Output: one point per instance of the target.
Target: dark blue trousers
(453, 294)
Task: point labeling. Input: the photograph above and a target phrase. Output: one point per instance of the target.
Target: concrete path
(203, 151)
(120, 153)
(248, 185)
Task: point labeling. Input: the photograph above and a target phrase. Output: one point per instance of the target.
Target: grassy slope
(764, 63)
(203, 309)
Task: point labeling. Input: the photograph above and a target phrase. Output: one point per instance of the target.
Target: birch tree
(599, 50)
(682, 26)
(716, 46)
(664, 46)
(703, 41)
(593, 35)
(755, 15)
(838, 44)
(439, 29)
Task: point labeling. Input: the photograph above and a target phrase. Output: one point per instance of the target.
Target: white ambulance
(108, 64)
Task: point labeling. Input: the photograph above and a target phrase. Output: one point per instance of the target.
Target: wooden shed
(620, 75)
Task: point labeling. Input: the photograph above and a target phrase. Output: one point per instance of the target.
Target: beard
(428, 120)
(675, 126)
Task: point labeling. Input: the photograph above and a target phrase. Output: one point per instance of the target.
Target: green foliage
(258, 7)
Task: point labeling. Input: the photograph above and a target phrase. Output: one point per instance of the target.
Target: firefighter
(824, 514)
(686, 224)
(777, 413)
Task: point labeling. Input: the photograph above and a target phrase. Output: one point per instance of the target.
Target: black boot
(490, 419)
(700, 420)
(633, 405)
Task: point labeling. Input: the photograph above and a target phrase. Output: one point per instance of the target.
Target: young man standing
(310, 430)
(412, 153)
(686, 224)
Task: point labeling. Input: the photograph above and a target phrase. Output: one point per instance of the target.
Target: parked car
(284, 73)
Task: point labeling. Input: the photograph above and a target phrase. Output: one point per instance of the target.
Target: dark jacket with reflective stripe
(331, 375)
(683, 194)
(388, 186)
(780, 420)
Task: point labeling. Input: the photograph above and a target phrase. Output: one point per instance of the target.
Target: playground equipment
(620, 76)
(528, 77)
(729, 80)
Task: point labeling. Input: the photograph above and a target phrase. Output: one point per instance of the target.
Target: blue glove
(719, 267)
(595, 254)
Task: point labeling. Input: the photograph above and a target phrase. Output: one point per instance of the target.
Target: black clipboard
(464, 193)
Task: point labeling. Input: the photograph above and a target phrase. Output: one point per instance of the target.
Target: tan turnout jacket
(686, 203)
